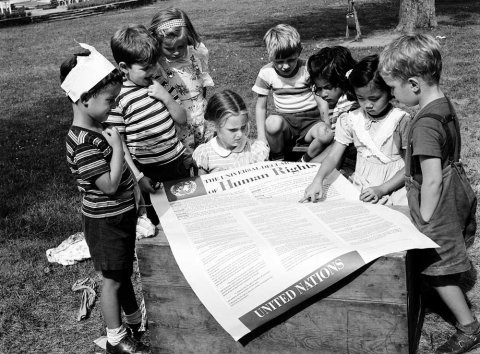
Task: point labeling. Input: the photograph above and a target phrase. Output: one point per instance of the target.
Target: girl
(184, 63)
(231, 147)
(327, 69)
(379, 132)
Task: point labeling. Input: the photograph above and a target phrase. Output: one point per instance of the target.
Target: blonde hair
(176, 33)
(412, 55)
(282, 41)
(224, 104)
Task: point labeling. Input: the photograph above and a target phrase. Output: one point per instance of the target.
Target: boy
(442, 203)
(95, 157)
(146, 113)
(298, 110)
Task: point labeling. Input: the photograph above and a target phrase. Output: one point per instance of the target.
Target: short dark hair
(133, 44)
(331, 64)
(364, 72)
(114, 77)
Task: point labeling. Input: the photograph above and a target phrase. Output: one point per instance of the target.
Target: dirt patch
(375, 39)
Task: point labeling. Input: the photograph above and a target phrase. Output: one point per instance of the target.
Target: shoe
(127, 345)
(460, 342)
(134, 330)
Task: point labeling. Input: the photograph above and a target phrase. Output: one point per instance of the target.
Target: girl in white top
(379, 132)
(184, 63)
(231, 147)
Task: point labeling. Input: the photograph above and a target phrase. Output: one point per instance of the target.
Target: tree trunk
(416, 14)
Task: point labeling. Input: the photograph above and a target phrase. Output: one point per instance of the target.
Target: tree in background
(416, 14)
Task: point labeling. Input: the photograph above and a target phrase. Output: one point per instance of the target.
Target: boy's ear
(84, 99)
(123, 67)
(414, 84)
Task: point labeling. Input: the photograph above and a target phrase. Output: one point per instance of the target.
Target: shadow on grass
(327, 23)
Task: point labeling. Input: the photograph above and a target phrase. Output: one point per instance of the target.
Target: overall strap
(453, 153)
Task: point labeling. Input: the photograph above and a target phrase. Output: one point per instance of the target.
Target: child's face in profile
(99, 106)
(372, 99)
(402, 90)
(173, 50)
(140, 75)
(286, 66)
(327, 91)
(232, 131)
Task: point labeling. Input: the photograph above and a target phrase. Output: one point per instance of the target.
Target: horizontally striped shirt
(290, 94)
(146, 125)
(89, 156)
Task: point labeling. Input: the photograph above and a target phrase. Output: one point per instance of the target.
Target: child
(146, 112)
(298, 111)
(184, 62)
(442, 202)
(95, 157)
(378, 131)
(328, 70)
(231, 147)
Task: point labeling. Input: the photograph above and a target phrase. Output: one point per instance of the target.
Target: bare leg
(110, 303)
(454, 298)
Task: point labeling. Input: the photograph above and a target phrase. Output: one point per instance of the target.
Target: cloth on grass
(89, 295)
(70, 251)
(145, 227)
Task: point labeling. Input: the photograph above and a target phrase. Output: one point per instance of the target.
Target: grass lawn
(39, 205)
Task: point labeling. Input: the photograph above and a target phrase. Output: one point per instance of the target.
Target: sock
(471, 328)
(134, 318)
(306, 157)
(115, 336)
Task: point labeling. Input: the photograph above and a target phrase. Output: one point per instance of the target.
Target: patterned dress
(189, 76)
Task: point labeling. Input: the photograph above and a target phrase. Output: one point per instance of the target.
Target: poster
(251, 251)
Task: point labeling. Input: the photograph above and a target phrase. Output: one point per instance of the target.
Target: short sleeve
(201, 52)
(200, 156)
(402, 130)
(261, 86)
(115, 119)
(343, 130)
(90, 162)
(428, 138)
(260, 151)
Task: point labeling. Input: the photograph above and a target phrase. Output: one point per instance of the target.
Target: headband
(88, 72)
(172, 23)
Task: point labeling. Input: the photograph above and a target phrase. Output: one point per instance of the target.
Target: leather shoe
(127, 345)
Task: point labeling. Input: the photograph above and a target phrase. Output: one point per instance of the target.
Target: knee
(274, 124)
(324, 135)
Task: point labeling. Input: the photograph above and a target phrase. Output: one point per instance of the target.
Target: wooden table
(375, 310)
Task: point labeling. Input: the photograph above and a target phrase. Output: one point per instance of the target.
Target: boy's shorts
(175, 169)
(299, 123)
(111, 240)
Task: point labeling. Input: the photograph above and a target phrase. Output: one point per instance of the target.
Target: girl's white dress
(189, 76)
(212, 157)
(379, 146)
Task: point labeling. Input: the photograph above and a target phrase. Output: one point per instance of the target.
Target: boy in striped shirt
(297, 110)
(96, 159)
(146, 113)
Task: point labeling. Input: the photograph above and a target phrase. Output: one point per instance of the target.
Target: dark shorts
(111, 240)
(175, 169)
(300, 123)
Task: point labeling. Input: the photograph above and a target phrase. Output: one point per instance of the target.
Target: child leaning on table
(146, 110)
(379, 132)
(442, 202)
(95, 158)
(297, 111)
(328, 70)
(184, 63)
(231, 147)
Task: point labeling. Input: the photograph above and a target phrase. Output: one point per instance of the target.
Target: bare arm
(323, 108)
(261, 116)
(145, 183)
(375, 193)
(315, 190)
(178, 113)
(431, 186)
(109, 181)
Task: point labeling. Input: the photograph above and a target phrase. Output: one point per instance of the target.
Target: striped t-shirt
(146, 125)
(89, 156)
(290, 94)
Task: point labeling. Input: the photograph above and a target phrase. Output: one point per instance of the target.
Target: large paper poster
(251, 251)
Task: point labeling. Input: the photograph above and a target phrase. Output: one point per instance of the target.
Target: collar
(226, 152)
